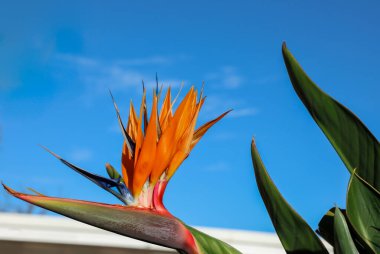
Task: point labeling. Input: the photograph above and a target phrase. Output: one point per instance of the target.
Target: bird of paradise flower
(153, 149)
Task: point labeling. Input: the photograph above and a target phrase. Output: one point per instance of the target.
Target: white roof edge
(60, 230)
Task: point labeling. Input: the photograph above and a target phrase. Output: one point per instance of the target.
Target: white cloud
(243, 112)
(114, 128)
(81, 155)
(223, 135)
(265, 80)
(218, 166)
(227, 77)
(118, 75)
(146, 61)
(77, 60)
(215, 105)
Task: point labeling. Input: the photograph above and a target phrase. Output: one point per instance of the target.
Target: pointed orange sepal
(145, 163)
(204, 128)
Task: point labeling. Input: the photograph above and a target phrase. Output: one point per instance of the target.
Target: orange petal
(204, 128)
(132, 123)
(176, 161)
(139, 134)
(183, 118)
(145, 162)
(183, 148)
(127, 166)
(167, 144)
(163, 154)
(165, 111)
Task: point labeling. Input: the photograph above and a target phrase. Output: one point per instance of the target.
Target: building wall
(15, 247)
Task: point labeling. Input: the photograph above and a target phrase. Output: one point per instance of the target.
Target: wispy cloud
(153, 60)
(243, 112)
(80, 155)
(117, 75)
(217, 166)
(216, 104)
(226, 135)
(114, 128)
(88, 61)
(227, 77)
(266, 80)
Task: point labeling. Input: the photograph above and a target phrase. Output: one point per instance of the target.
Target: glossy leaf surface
(295, 234)
(343, 243)
(326, 230)
(354, 143)
(363, 211)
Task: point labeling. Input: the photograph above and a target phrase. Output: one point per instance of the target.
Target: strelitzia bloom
(153, 149)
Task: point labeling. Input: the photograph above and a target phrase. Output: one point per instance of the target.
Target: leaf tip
(253, 143)
(284, 45)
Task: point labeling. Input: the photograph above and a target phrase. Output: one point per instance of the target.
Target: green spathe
(363, 211)
(295, 234)
(343, 243)
(355, 144)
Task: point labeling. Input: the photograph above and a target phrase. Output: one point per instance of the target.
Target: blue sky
(59, 58)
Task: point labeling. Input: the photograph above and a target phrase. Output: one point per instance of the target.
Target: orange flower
(153, 149)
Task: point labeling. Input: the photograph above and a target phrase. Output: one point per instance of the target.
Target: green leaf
(363, 211)
(326, 230)
(354, 143)
(139, 223)
(295, 234)
(210, 245)
(343, 243)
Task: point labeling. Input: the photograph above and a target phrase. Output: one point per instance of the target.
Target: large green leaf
(355, 144)
(363, 211)
(295, 234)
(343, 243)
(139, 223)
(210, 245)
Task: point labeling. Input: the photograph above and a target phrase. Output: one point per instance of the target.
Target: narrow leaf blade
(343, 243)
(295, 234)
(326, 230)
(355, 144)
(363, 211)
